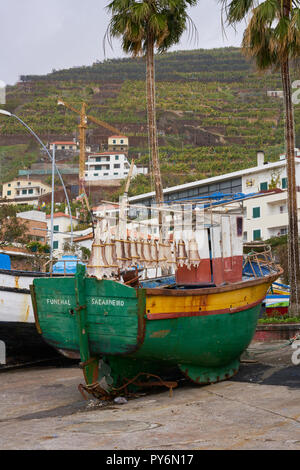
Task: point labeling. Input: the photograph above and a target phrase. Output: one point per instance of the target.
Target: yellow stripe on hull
(206, 303)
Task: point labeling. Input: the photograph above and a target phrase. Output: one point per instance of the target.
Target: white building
(63, 145)
(83, 239)
(61, 230)
(265, 216)
(67, 145)
(109, 166)
(275, 93)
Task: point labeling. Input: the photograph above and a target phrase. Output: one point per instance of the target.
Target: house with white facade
(109, 166)
(61, 230)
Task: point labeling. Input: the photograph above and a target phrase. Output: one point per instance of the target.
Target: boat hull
(202, 332)
(17, 321)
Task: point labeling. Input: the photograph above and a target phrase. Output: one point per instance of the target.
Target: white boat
(17, 322)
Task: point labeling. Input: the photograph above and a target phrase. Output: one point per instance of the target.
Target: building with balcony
(109, 166)
(24, 191)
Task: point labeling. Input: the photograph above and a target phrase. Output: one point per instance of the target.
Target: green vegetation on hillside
(213, 112)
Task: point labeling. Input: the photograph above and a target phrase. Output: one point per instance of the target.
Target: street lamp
(7, 113)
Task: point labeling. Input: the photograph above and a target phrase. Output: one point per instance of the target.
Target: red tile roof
(60, 214)
(118, 137)
(85, 237)
(63, 143)
(106, 153)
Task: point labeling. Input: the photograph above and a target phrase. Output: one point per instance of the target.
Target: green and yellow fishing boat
(127, 334)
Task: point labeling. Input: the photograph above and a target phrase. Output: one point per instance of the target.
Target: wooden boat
(277, 300)
(199, 321)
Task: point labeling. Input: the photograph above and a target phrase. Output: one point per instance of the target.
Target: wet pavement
(41, 408)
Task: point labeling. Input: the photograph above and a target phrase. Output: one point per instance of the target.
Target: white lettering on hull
(113, 302)
(59, 302)
(94, 301)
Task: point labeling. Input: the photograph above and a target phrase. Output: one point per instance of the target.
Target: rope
(263, 351)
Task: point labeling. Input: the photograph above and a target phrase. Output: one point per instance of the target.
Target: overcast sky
(40, 35)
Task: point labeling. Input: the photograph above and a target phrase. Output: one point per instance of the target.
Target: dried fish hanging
(127, 254)
(134, 254)
(147, 254)
(120, 252)
(102, 262)
(154, 254)
(181, 254)
(193, 253)
(95, 266)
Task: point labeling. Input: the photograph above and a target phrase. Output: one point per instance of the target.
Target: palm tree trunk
(152, 129)
(293, 248)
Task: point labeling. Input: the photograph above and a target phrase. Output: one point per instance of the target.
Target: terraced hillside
(212, 108)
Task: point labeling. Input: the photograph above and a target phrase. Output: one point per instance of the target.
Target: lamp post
(7, 113)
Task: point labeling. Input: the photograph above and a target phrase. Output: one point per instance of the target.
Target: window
(70, 147)
(116, 157)
(18, 183)
(9, 193)
(121, 141)
(116, 174)
(239, 226)
(96, 174)
(55, 245)
(264, 186)
(284, 183)
(281, 209)
(114, 141)
(56, 228)
(9, 185)
(256, 235)
(105, 174)
(245, 236)
(24, 191)
(98, 159)
(256, 212)
(63, 147)
(30, 191)
(117, 165)
(29, 183)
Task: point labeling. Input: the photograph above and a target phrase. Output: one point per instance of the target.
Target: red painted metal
(224, 270)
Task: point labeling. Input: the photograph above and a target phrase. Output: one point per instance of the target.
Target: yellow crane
(82, 140)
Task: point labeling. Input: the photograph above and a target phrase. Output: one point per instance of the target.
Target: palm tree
(146, 26)
(272, 38)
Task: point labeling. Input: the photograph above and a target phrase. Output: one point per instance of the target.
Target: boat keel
(206, 375)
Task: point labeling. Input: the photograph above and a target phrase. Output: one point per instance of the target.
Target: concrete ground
(41, 408)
